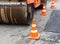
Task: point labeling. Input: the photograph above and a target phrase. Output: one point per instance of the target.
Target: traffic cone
(53, 5)
(44, 13)
(34, 33)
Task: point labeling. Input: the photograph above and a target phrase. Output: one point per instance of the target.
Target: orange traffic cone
(53, 5)
(44, 13)
(34, 34)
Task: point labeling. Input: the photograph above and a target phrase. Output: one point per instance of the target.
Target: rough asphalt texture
(19, 34)
(53, 24)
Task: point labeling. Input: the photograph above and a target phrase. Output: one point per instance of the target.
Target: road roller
(18, 11)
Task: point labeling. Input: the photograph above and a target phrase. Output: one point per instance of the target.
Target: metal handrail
(12, 3)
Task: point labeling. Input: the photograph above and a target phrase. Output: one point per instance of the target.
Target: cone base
(52, 7)
(44, 13)
(34, 37)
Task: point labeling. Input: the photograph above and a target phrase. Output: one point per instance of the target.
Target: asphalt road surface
(53, 24)
(12, 34)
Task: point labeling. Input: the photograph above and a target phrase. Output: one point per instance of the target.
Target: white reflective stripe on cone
(33, 31)
(44, 7)
(44, 10)
(33, 25)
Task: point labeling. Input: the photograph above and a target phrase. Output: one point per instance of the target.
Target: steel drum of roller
(14, 13)
(18, 11)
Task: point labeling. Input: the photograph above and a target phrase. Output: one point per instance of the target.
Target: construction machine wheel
(16, 14)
